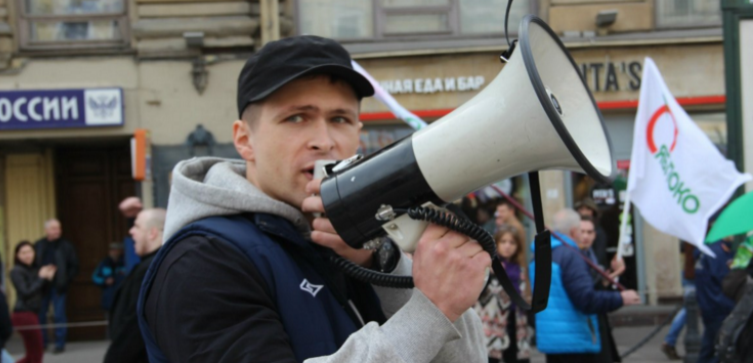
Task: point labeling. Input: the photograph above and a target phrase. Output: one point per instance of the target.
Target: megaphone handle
(543, 248)
(538, 212)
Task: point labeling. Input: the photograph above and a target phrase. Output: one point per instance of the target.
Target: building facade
(79, 77)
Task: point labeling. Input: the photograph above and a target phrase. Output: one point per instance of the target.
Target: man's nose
(321, 139)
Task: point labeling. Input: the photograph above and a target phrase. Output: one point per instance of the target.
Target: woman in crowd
(29, 282)
(505, 325)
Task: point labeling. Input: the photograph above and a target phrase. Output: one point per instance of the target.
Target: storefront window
(688, 13)
(66, 23)
(361, 19)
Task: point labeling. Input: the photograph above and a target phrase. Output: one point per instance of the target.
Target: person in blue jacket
(110, 273)
(568, 329)
(713, 303)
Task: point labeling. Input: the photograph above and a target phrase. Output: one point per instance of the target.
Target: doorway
(90, 182)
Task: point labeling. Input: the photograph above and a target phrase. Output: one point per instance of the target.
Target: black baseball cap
(283, 61)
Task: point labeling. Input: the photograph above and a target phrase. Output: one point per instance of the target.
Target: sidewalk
(75, 352)
(626, 337)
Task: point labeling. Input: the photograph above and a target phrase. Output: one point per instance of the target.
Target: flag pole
(623, 224)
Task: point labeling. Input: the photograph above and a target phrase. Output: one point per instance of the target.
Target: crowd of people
(719, 288)
(43, 271)
(574, 327)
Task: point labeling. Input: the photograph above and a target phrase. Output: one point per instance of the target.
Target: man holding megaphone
(242, 275)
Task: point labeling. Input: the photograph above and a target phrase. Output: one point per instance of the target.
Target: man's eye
(340, 120)
(295, 118)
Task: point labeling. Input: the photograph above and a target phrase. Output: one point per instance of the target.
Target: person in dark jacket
(608, 353)
(29, 282)
(109, 274)
(588, 208)
(713, 303)
(53, 250)
(244, 274)
(127, 344)
(568, 329)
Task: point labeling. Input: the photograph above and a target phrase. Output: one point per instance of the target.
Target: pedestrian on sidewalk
(53, 250)
(505, 325)
(505, 216)
(109, 274)
(713, 303)
(588, 233)
(127, 344)
(29, 282)
(567, 331)
(588, 208)
(669, 347)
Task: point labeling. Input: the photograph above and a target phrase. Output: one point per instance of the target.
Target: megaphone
(536, 114)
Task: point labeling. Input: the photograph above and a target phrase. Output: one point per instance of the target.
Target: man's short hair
(565, 220)
(50, 221)
(588, 219)
(155, 218)
(505, 202)
(251, 113)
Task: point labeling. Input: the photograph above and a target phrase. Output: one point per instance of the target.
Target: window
(385, 19)
(688, 13)
(339, 19)
(54, 24)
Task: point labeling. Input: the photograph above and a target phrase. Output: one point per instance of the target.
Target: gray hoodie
(416, 330)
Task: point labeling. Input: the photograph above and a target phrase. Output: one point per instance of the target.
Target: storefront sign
(52, 109)
(433, 85)
(612, 76)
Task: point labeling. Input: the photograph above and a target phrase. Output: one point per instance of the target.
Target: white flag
(678, 178)
(382, 95)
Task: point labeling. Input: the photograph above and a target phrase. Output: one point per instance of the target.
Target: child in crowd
(505, 325)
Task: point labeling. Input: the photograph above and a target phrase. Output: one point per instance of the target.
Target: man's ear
(241, 138)
(152, 234)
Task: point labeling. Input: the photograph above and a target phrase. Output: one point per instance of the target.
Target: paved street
(627, 337)
(86, 352)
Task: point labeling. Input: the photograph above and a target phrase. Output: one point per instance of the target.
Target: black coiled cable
(442, 218)
(370, 276)
(455, 223)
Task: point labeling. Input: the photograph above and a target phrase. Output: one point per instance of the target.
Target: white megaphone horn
(536, 114)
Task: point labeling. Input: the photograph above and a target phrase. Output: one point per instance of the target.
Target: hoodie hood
(206, 187)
